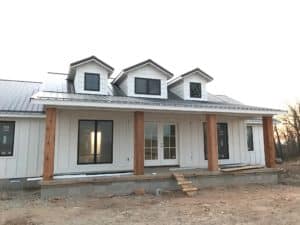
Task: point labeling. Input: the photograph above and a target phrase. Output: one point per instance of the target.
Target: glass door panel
(169, 141)
(151, 141)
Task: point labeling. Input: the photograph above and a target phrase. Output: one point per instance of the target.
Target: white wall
(191, 144)
(189, 140)
(182, 88)
(91, 67)
(27, 159)
(178, 89)
(67, 137)
(147, 71)
(186, 85)
(257, 156)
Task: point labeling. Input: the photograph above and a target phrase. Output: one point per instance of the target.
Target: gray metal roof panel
(15, 96)
(145, 101)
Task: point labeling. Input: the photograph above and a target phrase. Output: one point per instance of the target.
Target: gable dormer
(191, 85)
(90, 76)
(145, 79)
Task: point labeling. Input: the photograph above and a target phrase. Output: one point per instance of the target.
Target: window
(7, 133)
(147, 86)
(95, 141)
(195, 90)
(222, 135)
(92, 82)
(250, 138)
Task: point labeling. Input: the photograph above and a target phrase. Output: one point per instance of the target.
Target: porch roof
(134, 103)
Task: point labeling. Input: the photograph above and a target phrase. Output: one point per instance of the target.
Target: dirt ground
(255, 204)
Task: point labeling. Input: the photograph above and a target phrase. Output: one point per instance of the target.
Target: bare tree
(288, 133)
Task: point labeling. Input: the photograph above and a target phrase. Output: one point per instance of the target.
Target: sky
(250, 48)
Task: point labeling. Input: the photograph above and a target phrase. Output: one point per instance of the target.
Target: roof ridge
(25, 81)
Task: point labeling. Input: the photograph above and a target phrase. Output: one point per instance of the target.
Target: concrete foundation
(152, 183)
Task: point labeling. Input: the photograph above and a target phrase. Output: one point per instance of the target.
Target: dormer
(191, 85)
(146, 79)
(90, 76)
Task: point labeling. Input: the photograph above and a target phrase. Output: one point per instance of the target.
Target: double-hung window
(95, 141)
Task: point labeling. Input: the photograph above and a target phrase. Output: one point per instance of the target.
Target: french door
(160, 144)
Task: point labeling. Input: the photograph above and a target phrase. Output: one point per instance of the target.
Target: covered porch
(199, 152)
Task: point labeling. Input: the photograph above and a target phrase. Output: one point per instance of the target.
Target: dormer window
(91, 81)
(147, 86)
(195, 90)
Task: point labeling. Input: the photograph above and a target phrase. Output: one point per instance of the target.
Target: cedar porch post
(49, 144)
(269, 142)
(138, 143)
(212, 142)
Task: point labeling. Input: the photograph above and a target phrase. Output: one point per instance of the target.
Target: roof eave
(110, 105)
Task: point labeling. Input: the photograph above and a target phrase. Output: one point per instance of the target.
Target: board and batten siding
(257, 156)
(66, 142)
(28, 150)
(190, 140)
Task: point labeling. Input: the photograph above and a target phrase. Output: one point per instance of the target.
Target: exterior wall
(91, 67)
(182, 88)
(190, 141)
(124, 86)
(186, 87)
(67, 139)
(257, 156)
(147, 71)
(28, 152)
(178, 89)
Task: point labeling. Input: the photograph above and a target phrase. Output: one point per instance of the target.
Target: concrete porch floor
(154, 180)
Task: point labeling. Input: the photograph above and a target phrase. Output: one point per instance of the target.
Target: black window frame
(195, 83)
(98, 81)
(250, 142)
(95, 152)
(13, 123)
(205, 142)
(147, 91)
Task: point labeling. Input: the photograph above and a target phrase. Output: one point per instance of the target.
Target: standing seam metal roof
(15, 96)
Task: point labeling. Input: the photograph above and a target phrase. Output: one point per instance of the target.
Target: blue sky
(251, 48)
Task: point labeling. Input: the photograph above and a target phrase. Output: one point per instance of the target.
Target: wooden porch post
(49, 144)
(138, 143)
(269, 142)
(212, 142)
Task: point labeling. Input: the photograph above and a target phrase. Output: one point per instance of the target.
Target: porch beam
(49, 144)
(269, 141)
(138, 143)
(212, 142)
